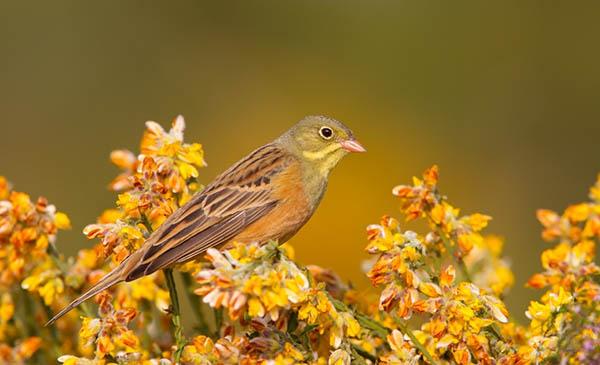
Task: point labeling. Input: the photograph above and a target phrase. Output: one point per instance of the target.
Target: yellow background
(502, 95)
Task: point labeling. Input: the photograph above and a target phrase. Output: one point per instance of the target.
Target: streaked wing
(236, 199)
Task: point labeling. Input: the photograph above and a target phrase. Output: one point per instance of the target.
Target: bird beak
(352, 145)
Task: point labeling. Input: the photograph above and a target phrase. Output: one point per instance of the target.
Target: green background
(502, 95)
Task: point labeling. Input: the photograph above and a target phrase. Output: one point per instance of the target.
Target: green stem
(195, 303)
(363, 319)
(29, 314)
(175, 310)
(56, 342)
(218, 322)
(497, 332)
(146, 222)
(175, 315)
(380, 329)
(415, 341)
(363, 353)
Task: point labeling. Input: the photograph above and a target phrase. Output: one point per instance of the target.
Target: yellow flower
(430, 289)
(109, 216)
(558, 299)
(192, 154)
(552, 258)
(255, 308)
(438, 213)
(7, 308)
(89, 329)
(186, 170)
(461, 355)
(578, 212)
(62, 221)
(339, 357)
(29, 346)
(467, 241)
(201, 351)
(4, 188)
(448, 275)
(476, 221)
(45, 280)
(127, 202)
(538, 311)
(353, 328)
(583, 252)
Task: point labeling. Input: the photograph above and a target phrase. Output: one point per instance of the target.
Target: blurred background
(504, 97)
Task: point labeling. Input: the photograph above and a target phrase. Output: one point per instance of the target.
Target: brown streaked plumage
(268, 195)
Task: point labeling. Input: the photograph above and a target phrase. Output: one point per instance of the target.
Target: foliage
(438, 296)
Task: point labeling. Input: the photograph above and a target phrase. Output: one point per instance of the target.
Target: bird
(266, 196)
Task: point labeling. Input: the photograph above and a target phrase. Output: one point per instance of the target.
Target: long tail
(110, 279)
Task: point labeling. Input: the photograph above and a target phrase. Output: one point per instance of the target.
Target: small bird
(268, 195)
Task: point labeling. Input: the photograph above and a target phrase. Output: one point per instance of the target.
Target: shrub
(439, 293)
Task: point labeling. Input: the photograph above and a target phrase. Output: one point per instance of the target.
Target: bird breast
(296, 206)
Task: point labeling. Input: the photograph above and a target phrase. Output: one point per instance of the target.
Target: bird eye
(326, 132)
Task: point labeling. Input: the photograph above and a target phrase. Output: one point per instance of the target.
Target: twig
(175, 315)
(415, 341)
(495, 329)
(30, 325)
(363, 353)
(218, 321)
(52, 330)
(380, 329)
(363, 319)
(175, 310)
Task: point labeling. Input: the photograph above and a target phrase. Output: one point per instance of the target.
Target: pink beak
(352, 145)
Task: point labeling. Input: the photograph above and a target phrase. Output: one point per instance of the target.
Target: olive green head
(320, 141)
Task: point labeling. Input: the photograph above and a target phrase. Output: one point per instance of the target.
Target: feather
(233, 201)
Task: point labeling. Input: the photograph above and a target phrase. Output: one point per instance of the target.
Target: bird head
(321, 142)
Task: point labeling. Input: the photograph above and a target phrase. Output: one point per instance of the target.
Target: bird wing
(236, 199)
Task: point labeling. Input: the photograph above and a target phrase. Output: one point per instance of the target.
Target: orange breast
(288, 217)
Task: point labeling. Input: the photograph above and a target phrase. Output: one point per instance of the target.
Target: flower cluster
(29, 277)
(27, 229)
(565, 323)
(153, 185)
(285, 307)
(437, 297)
(460, 320)
(423, 200)
(252, 279)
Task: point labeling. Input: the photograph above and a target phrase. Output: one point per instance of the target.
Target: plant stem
(218, 321)
(195, 303)
(496, 331)
(380, 329)
(52, 330)
(29, 314)
(363, 353)
(146, 222)
(363, 319)
(415, 341)
(175, 315)
(175, 310)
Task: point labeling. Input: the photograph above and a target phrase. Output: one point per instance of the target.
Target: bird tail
(110, 279)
